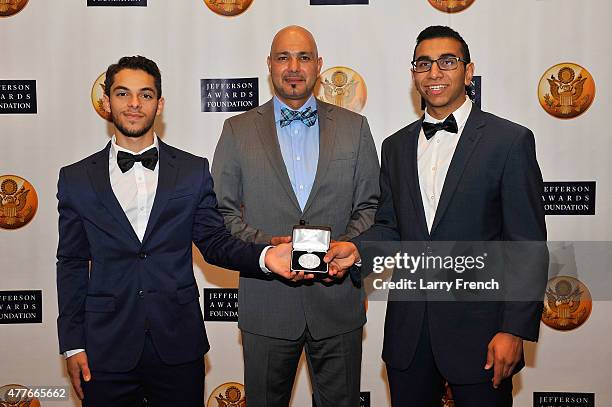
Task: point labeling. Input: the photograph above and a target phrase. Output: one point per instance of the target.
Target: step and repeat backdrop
(543, 63)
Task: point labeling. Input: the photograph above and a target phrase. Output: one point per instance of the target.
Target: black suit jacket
(492, 191)
(112, 287)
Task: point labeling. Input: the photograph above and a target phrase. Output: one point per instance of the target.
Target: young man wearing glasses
(456, 174)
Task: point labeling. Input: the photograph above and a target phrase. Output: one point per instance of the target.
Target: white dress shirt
(134, 189)
(434, 157)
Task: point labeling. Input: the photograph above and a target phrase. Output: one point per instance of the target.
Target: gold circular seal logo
(451, 6)
(229, 394)
(11, 7)
(228, 8)
(566, 90)
(342, 87)
(15, 395)
(97, 94)
(567, 304)
(18, 202)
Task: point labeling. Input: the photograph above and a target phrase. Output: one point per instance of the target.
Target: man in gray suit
(296, 159)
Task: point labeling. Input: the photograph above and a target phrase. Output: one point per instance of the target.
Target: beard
(294, 91)
(291, 93)
(132, 133)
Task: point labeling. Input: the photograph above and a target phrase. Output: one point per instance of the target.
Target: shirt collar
(461, 114)
(116, 147)
(278, 105)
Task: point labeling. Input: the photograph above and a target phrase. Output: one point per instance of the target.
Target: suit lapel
(166, 181)
(327, 137)
(412, 178)
(468, 140)
(266, 129)
(97, 169)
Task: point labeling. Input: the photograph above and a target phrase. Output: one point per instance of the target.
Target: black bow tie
(127, 160)
(450, 125)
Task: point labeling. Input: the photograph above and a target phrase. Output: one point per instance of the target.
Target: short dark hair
(441, 31)
(137, 63)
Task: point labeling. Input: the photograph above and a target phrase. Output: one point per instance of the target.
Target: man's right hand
(340, 257)
(76, 364)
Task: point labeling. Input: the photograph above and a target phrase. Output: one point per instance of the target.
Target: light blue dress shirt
(299, 146)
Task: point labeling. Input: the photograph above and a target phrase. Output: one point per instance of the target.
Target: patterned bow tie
(450, 125)
(306, 116)
(127, 160)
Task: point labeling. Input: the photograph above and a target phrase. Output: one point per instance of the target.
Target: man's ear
(469, 73)
(106, 103)
(160, 106)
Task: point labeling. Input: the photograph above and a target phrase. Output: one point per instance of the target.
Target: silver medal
(309, 261)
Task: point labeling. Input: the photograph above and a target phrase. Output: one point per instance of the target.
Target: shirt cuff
(72, 352)
(262, 260)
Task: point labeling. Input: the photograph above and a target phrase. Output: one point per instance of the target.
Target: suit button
(142, 255)
(429, 250)
(141, 293)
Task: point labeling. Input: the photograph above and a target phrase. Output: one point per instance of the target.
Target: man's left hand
(276, 240)
(278, 261)
(503, 354)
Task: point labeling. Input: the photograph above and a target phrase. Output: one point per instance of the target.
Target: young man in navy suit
(457, 174)
(130, 324)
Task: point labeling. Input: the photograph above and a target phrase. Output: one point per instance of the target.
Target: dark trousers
(422, 384)
(151, 380)
(334, 364)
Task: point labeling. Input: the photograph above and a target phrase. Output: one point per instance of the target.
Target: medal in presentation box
(310, 244)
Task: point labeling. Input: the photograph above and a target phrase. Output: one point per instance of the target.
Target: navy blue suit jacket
(112, 287)
(492, 192)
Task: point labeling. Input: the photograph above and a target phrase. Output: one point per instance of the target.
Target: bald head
(294, 34)
(294, 65)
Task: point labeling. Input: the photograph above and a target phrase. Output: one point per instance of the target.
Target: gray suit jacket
(256, 198)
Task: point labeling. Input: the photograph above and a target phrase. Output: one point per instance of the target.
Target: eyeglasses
(445, 63)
